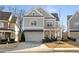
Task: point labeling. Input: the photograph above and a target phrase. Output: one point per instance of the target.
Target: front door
(7, 35)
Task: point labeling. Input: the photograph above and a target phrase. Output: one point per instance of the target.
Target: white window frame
(76, 24)
(50, 22)
(1, 25)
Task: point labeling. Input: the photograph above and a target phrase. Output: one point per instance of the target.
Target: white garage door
(33, 36)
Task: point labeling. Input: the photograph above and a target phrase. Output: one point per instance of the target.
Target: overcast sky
(62, 10)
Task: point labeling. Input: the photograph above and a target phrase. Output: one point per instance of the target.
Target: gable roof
(4, 15)
(56, 16)
(29, 14)
(69, 16)
(45, 13)
(13, 20)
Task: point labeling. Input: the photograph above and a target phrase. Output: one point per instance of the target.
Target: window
(33, 14)
(76, 24)
(49, 24)
(33, 23)
(12, 35)
(1, 25)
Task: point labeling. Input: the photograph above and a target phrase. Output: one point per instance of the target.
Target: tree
(20, 16)
(19, 13)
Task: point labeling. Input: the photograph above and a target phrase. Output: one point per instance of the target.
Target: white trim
(73, 29)
(33, 28)
(3, 21)
(39, 12)
(68, 27)
(52, 29)
(10, 18)
(6, 31)
(32, 11)
(34, 17)
(50, 19)
(72, 16)
(46, 11)
(23, 24)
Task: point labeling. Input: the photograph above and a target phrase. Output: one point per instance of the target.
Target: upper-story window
(49, 24)
(76, 24)
(34, 23)
(33, 14)
(1, 24)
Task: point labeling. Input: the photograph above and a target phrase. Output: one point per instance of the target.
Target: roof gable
(34, 13)
(56, 16)
(69, 16)
(45, 13)
(76, 15)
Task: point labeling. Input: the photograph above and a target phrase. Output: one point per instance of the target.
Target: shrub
(3, 41)
(22, 38)
(46, 39)
(70, 38)
(11, 40)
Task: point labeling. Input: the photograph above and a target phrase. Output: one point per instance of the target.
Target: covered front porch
(52, 35)
(7, 36)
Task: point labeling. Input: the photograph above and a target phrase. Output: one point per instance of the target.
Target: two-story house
(8, 26)
(73, 25)
(39, 23)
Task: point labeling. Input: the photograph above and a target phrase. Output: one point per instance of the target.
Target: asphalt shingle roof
(56, 16)
(4, 15)
(69, 16)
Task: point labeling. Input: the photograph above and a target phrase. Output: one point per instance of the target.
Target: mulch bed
(58, 45)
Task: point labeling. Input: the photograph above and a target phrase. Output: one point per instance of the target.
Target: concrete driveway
(24, 45)
(19, 46)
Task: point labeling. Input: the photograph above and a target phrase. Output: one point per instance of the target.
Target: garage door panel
(33, 36)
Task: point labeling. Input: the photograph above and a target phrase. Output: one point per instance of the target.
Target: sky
(62, 10)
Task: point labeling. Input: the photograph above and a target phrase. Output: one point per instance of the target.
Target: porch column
(58, 33)
(55, 33)
(61, 33)
(16, 36)
(50, 33)
(43, 34)
(4, 35)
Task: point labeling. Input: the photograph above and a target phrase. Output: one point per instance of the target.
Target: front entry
(51, 34)
(7, 35)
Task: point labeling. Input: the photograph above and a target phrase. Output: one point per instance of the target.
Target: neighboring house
(73, 25)
(39, 23)
(8, 26)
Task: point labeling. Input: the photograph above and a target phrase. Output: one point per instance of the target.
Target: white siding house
(73, 25)
(37, 23)
(8, 26)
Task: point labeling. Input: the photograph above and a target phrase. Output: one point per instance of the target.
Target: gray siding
(45, 14)
(28, 20)
(73, 21)
(35, 13)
